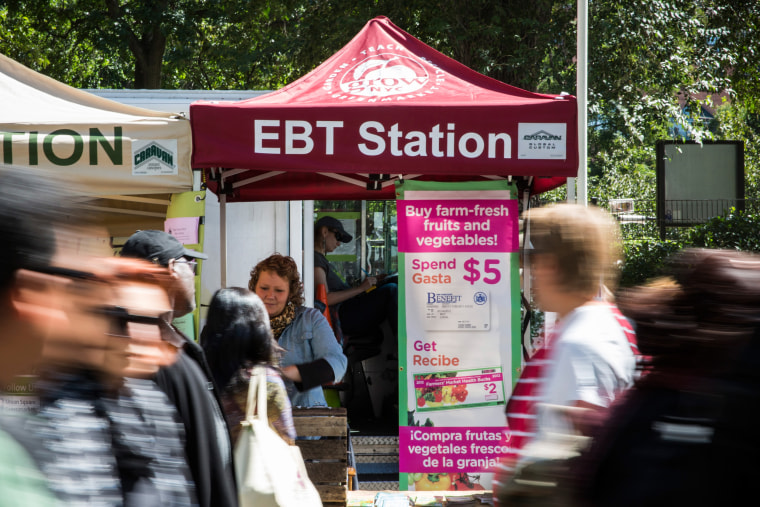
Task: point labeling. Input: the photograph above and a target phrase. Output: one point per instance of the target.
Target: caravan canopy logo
(541, 141)
(152, 158)
(386, 74)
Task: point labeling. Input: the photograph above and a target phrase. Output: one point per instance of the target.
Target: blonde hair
(584, 240)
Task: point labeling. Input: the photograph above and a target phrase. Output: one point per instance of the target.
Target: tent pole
(223, 238)
(582, 99)
(308, 253)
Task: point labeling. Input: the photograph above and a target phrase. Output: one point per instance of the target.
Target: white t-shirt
(591, 361)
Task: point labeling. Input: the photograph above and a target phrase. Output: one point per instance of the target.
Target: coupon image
(459, 389)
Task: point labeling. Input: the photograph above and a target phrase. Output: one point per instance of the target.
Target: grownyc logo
(384, 76)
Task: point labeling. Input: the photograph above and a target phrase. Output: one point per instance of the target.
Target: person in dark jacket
(686, 434)
(96, 440)
(188, 382)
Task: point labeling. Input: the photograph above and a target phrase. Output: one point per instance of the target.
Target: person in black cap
(165, 250)
(189, 382)
(363, 308)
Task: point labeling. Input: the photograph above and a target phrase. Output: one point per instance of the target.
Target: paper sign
(185, 229)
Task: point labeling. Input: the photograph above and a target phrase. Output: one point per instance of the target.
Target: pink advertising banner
(451, 449)
(460, 292)
(457, 226)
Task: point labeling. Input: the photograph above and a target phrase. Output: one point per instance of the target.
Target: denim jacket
(308, 338)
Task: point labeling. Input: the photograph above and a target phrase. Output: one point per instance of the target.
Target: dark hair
(285, 267)
(236, 334)
(696, 319)
(318, 230)
(32, 205)
(585, 241)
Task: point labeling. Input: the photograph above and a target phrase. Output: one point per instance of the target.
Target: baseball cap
(334, 224)
(157, 247)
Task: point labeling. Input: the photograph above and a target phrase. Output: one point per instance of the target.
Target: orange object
(321, 295)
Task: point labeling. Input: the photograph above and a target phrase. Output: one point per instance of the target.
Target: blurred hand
(368, 282)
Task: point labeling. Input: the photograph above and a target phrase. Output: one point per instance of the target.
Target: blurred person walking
(99, 437)
(31, 209)
(588, 358)
(89, 435)
(686, 433)
(148, 439)
(237, 339)
(188, 382)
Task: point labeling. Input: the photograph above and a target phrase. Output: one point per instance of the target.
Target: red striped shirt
(521, 408)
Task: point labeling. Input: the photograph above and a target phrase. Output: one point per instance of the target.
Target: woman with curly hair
(236, 339)
(312, 355)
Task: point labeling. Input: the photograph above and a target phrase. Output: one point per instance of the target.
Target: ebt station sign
(93, 147)
(373, 138)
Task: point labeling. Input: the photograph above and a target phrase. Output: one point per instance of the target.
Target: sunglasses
(66, 273)
(191, 263)
(120, 318)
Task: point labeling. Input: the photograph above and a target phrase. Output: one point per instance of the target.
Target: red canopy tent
(384, 106)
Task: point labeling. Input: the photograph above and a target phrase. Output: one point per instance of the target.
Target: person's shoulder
(307, 312)
(184, 367)
(591, 315)
(311, 319)
(304, 318)
(591, 330)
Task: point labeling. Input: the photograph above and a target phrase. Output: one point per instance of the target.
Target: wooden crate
(326, 458)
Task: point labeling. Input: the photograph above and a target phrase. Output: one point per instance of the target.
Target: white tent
(130, 158)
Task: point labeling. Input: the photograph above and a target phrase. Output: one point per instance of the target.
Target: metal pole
(308, 252)
(582, 97)
(223, 238)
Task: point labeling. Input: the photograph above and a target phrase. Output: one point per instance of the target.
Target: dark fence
(638, 218)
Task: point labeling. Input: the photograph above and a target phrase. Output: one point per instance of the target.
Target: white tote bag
(270, 473)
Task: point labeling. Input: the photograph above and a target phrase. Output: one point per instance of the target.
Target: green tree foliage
(129, 44)
(737, 230)
(54, 48)
(645, 259)
(652, 63)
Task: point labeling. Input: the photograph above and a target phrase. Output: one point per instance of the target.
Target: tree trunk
(148, 60)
